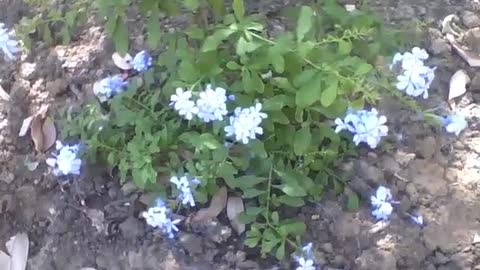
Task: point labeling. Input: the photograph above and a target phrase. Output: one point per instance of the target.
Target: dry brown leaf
(234, 208)
(36, 133)
(458, 84)
(49, 133)
(27, 122)
(470, 57)
(4, 261)
(219, 200)
(3, 94)
(17, 246)
(122, 62)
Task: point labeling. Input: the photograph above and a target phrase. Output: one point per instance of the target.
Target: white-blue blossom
(65, 161)
(212, 104)
(415, 78)
(244, 125)
(142, 61)
(158, 216)
(382, 203)
(110, 87)
(185, 187)
(182, 103)
(306, 261)
(8, 45)
(417, 219)
(366, 126)
(454, 123)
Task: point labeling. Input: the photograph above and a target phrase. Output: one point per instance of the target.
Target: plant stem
(269, 188)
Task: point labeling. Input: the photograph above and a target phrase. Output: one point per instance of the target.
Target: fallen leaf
(219, 200)
(97, 218)
(49, 133)
(4, 261)
(470, 57)
(3, 94)
(17, 247)
(122, 62)
(234, 208)
(458, 84)
(476, 238)
(170, 262)
(27, 122)
(36, 133)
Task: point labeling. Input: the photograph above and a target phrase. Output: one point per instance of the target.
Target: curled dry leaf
(122, 62)
(49, 133)
(219, 200)
(458, 84)
(36, 132)
(3, 94)
(17, 247)
(27, 122)
(234, 208)
(472, 58)
(448, 25)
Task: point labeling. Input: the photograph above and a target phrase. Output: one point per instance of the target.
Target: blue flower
(212, 104)
(245, 123)
(182, 103)
(8, 45)
(109, 87)
(158, 217)
(366, 126)
(142, 61)
(184, 187)
(382, 203)
(454, 124)
(416, 219)
(65, 162)
(306, 261)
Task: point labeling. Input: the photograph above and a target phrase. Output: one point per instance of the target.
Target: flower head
(8, 45)
(158, 217)
(306, 261)
(455, 124)
(366, 126)
(183, 104)
(142, 61)
(245, 123)
(110, 87)
(65, 162)
(415, 78)
(184, 187)
(382, 203)
(212, 104)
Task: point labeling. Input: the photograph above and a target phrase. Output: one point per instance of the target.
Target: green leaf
(212, 42)
(344, 46)
(302, 141)
(353, 203)
(209, 141)
(192, 5)
(309, 93)
(153, 30)
(258, 148)
(251, 242)
(252, 193)
(330, 93)
(305, 22)
(233, 65)
(291, 201)
(239, 9)
(292, 189)
(218, 7)
(275, 217)
(275, 103)
(245, 46)
(120, 36)
(249, 181)
(295, 228)
(363, 69)
(280, 253)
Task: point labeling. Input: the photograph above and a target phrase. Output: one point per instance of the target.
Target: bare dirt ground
(429, 172)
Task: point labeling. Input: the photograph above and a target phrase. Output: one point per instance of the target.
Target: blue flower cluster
(382, 206)
(185, 187)
(142, 61)
(367, 126)
(65, 162)
(415, 78)
(454, 123)
(8, 45)
(306, 261)
(158, 216)
(110, 87)
(244, 125)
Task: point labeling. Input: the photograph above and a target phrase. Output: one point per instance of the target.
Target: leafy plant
(52, 24)
(303, 78)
